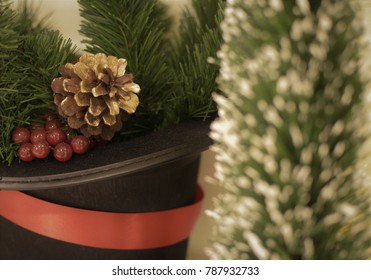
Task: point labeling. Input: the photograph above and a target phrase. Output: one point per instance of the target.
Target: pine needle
(29, 60)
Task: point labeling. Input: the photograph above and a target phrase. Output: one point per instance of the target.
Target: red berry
(40, 149)
(21, 135)
(55, 136)
(24, 152)
(63, 152)
(52, 124)
(80, 144)
(48, 116)
(38, 135)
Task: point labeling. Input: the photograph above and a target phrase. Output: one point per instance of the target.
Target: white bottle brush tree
(285, 141)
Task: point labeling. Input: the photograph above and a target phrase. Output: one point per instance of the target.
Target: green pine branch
(27, 18)
(8, 37)
(42, 54)
(199, 39)
(132, 30)
(29, 60)
(176, 79)
(9, 40)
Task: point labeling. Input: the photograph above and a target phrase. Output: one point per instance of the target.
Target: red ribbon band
(125, 231)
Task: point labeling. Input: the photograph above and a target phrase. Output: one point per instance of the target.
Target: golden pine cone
(95, 95)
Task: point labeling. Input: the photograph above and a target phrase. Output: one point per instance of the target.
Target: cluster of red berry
(40, 138)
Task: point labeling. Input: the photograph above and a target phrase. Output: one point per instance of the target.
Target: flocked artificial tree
(286, 142)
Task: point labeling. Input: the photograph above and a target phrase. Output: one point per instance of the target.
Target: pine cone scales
(95, 94)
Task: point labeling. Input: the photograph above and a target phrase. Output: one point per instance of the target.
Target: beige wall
(66, 19)
(66, 16)
(202, 233)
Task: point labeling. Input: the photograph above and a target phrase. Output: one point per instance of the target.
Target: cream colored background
(66, 18)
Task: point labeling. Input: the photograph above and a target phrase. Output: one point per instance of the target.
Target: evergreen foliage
(30, 56)
(9, 40)
(28, 19)
(176, 80)
(8, 37)
(199, 39)
(285, 141)
(132, 30)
